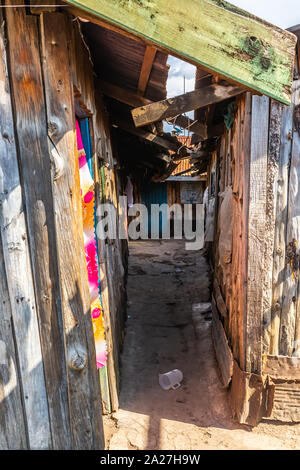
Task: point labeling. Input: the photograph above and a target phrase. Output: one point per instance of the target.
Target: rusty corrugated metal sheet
(183, 165)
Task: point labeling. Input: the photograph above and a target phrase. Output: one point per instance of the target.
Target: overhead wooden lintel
(133, 99)
(149, 57)
(190, 101)
(214, 35)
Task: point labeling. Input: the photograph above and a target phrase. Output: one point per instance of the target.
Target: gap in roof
(181, 79)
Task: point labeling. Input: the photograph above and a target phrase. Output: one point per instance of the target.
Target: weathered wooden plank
(286, 405)
(83, 380)
(222, 349)
(145, 72)
(275, 123)
(251, 396)
(256, 231)
(149, 136)
(12, 425)
(36, 172)
(291, 300)
(245, 158)
(20, 283)
(184, 103)
(281, 367)
(219, 300)
(214, 35)
(279, 263)
(135, 100)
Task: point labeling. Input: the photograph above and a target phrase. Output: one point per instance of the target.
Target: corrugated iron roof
(183, 165)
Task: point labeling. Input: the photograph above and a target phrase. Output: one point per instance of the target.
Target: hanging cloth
(90, 248)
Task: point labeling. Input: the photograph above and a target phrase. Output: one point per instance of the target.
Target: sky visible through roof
(283, 13)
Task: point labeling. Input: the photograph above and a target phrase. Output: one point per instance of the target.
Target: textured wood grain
(256, 235)
(223, 352)
(291, 282)
(145, 72)
(135, 100)
(279, 264)
(149, 136)
(184, 103)
(213, 34)
(275, 124)
(12, 424)
(281, 367)
(36, 173)
(19, 274)
(83, 383)
(286, 406)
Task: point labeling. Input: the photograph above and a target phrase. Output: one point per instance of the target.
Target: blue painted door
(156, 193)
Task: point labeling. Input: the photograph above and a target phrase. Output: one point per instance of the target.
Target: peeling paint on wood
(211, 34)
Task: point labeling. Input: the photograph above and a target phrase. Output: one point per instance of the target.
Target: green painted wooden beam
(211, 34)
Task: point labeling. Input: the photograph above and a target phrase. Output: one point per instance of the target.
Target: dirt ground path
(165, 284)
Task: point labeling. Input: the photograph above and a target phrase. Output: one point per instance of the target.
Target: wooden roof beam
(190, 101)
(149, 58)
(135, 100)
(214, 35)
(150, 137)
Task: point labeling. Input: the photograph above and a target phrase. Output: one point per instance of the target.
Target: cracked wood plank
(211, 34)
(190, 101)
(256, 232)
(19, 319)
(83, 380)
(135, 100)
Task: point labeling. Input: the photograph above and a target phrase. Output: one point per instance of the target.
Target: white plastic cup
(171, 379)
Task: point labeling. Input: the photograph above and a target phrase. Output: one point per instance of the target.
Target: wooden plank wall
(263, 318)
(285, 319)
(230, 285)
(49, 385)
(111, 252)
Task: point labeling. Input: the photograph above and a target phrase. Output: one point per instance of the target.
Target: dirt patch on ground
(161, 336)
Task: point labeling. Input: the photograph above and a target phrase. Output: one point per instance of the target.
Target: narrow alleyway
(166, 330)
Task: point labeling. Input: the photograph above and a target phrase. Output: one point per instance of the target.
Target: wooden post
(83, 380)
(256, 232)
(275, 113)
(31, 127)
(279, 263)
(50, 178)
(290, 315)
(19, 320)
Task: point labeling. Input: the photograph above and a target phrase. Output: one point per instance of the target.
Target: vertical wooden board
(290, 316)
(256, 231)
(83, 379)
(234, 157)
(222, 350)
(280, 292)
(104, 383)
(36, 172)
(12, 425)
(275, 124)
(19, 275)
(244, 198)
